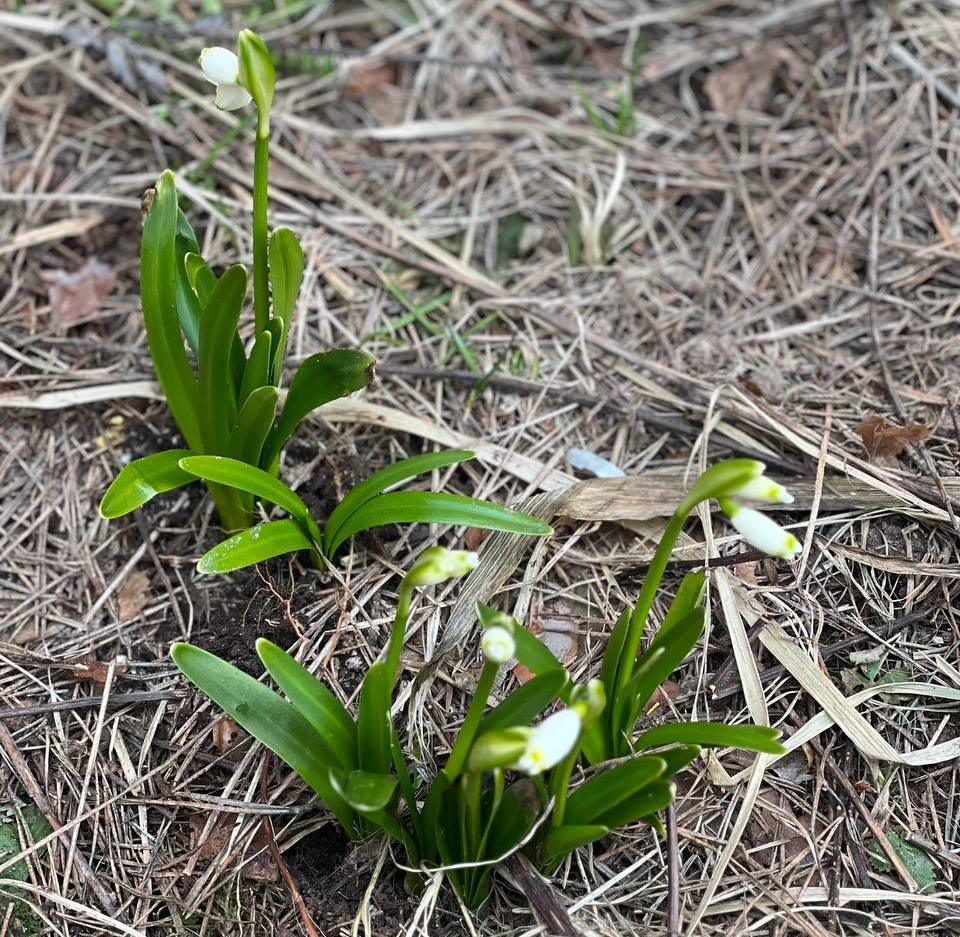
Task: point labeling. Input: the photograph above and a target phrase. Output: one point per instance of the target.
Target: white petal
(438, 564)
(497, 645)
(550, 742)
(230, 97)
(220, 66)
(765, 534)
(764, 489)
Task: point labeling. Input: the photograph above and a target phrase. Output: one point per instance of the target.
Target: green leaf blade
(285, 258)
(263, 542)
(752, 738)
(254, 422)
(608, 788)
(140, 480)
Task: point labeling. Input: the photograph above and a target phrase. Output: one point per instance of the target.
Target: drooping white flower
(438, 564)
(221, 67)
(765, 489)
(498, 645)
(762, 532)
(589, 700)
(550, 742)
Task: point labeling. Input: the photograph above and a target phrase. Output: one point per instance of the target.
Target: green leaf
(158, 296)
(677, 758)
(236, 474)
(320, 379)
(688, 598)
(142, 479)
(434, 507)
(313, 701)
(917, 862)
(254, 422)
(562, 840)
(367, 792)
(286, 273)
(273, 538)
(269, 719)
(189, 305)
(752, 738)
(218, 325)
(655, 796)
(373, 720)
(525, 703)
(612, 656)
(256, 373)
(201, 278)
(388, 477)
(603, 792)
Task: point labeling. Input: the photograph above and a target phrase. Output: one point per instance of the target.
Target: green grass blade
(142, 479)
(273, 538)
(373, 720)
(269, 719)
(254, 422)
(610, 787)
(313, 701)
(388, 477)
(237, 474)
(218, 326)
(434, 507)
(158, 296)
(752, 738)
(320, 379)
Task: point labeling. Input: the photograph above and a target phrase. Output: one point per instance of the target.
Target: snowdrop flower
(760, 531)
(438, 564)
(589, 701)
(765, 489)
(222, 67)
(497, 644)
(550, 742)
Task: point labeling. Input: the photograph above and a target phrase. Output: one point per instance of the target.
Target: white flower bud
(498, 645)
(764, 489)
(550, 742)
(437, 564)
(221, 67)
(762, 532)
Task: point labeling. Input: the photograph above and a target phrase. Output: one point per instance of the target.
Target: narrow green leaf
(688, 597)
(513, 822)
(236, 474)
(256, 372)
(677, 758)
(269, 719)
(388, 477)
(525, 703)
(313, 701)
(608, 788)
(435, 507)
(655, 796)
(254, 422)
(373, 720)
(202, 279)
(752, 738)
(158, 296)
(218, 325)
(142, 479)
(286, 273)
(320, 379)
(367, 792)
(562, 840)
(273, 538)
(612, 656)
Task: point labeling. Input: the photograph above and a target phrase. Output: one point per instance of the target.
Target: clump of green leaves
(225, 395)
(475, 812)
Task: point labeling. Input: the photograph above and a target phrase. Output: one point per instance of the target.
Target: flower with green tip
(499, 748)
(589, 701)
(221, 67)
(760, 531)
(550, 742)
(438, 564)
(497, 644)
(765, 489)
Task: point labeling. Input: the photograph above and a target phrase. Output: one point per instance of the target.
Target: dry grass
(765, 281)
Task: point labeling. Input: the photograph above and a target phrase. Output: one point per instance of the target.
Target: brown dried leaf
(75, 296)
(134, 595)
(225, 734)
(369, 80)
(746, 83)
(96, 671)
(261, 868)
(885, 442)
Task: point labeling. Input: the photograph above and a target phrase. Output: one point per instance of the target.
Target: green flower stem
(261, 160)
(647, 594)
(471, 722)
(233, 515)
(560, 783)
(399, 630)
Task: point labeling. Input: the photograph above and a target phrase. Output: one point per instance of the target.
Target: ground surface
(763, 259)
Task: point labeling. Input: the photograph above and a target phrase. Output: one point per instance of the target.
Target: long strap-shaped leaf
(158, 286)
(388, 477)
(263, 542)
(319, 379)
(218, 326)
(610, 787)
(142, 479)
(254, 422)
(286, 272)
(752, 738)
(268, 718)
(435, 507)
